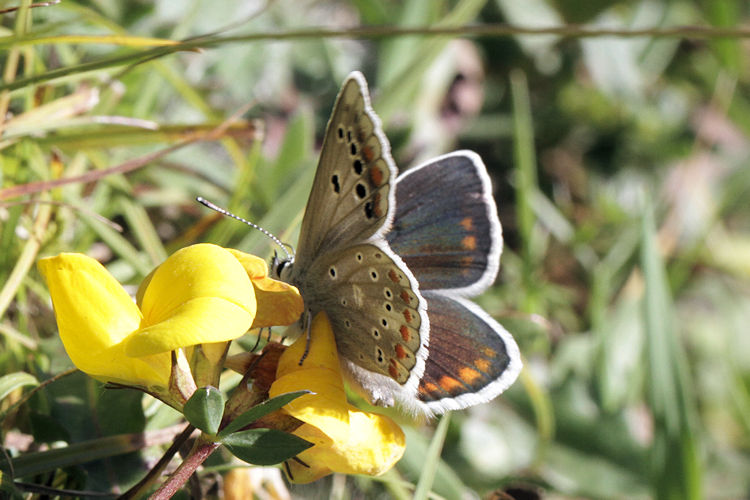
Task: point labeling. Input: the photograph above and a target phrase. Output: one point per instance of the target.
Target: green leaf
(447, 483)
(7, 488)
(676, 464)
(30, 464)
(259, 411)
(13, 381)
(264, 446)
(432, 459)
(205, 408)
(527, 183)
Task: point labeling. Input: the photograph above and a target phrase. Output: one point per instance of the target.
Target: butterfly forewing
(344, 266)
(351, 196)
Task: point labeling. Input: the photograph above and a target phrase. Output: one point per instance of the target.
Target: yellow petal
(142, 288)
(320, 373)
(346, 439)
(198, 321)
(311, 471)
(321, 351)
(201, 294)
(314, 458)
(278, 303)
(326, 409)
(255, 267)
(202, 270)
(94, 315)
(376, 444)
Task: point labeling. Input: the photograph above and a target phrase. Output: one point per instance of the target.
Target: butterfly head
(281, 267)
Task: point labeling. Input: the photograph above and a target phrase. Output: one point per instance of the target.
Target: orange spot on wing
(400, 351)
(407, 315)
(467, 265)
(449, 383)
(467, 224)
(428, 387)
(488, 352)
(377, 206)
(482, 364)
(368, 153)
(469, 375)
(469, 242)
(393, 371)
(376, 176)
(405, 333)
(405, 296)
(393, 275)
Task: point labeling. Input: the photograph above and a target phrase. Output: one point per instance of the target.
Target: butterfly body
(391, 258)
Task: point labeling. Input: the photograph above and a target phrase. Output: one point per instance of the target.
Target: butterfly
(392, 259)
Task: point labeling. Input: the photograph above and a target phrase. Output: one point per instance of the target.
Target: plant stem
(202, 449)
(138, 489)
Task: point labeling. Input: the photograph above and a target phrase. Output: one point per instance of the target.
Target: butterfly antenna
(223, 211)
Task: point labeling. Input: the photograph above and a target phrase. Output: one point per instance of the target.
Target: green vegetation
(619, 165)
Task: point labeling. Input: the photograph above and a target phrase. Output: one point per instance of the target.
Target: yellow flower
(347, 440)
(202, 294)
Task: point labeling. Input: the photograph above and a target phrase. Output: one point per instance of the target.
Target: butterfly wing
(341, 246)
(472, 357)
(351, 198)
(447, 232)
(378, 318)
(454, 241)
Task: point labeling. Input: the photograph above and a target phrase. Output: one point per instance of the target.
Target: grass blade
(676, 467)
(432, 460)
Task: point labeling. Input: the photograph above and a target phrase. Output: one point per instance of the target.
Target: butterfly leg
(308, 337)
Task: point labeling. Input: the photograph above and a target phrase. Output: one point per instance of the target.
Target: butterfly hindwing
(446, 227)
(447, 232)
(377, 317)
(473, 359)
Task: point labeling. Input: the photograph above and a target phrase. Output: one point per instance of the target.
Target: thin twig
(36, 389)
(114, 225)
(32, 6)
(374, 32)
(139, 488)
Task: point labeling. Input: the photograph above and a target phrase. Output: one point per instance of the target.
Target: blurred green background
(619, 166)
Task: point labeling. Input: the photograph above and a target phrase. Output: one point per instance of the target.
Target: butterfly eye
(332, 271)
(360, 257)
(388, 294)
(373, 275)
(279, 266)
(375, 333)
(388, 307)
(361, 190)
